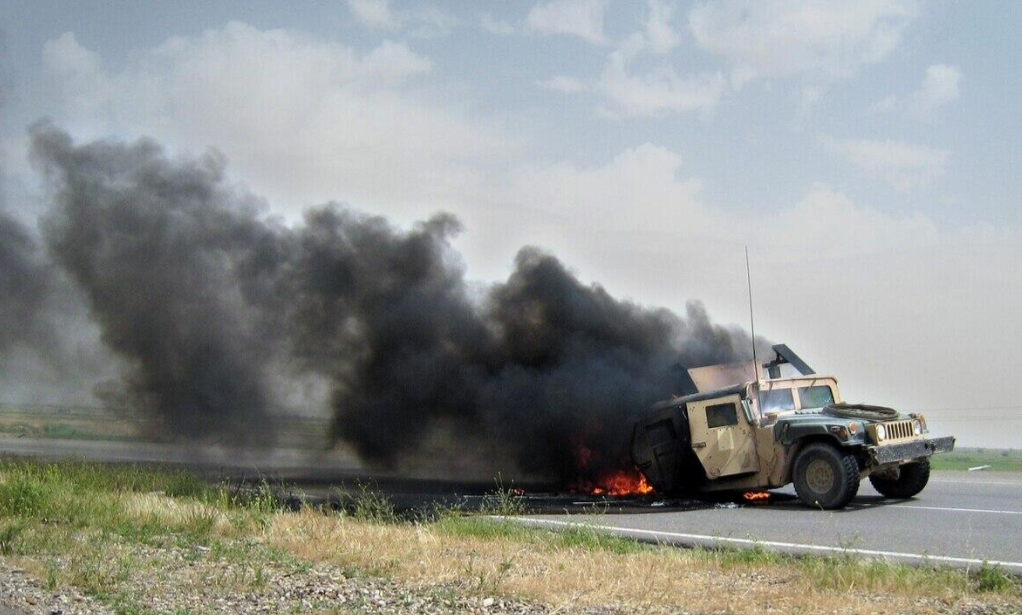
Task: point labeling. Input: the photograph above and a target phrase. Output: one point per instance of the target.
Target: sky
(867, 153)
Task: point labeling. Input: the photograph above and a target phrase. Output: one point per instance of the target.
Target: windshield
(776, 400)
(815, 396)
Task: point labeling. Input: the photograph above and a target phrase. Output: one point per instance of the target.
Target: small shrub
(9, 534)
(371, 505)
(503, 502)
(21, 496)
(199, 523)
(993, 579)
(52, 580)
(263, 502)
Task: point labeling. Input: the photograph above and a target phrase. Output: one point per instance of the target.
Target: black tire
(826, 477)
(911, 480)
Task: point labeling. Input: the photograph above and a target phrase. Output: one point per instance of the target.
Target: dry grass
(173, 513)
(563, 570)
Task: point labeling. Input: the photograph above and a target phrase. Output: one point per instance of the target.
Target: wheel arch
(799, 443)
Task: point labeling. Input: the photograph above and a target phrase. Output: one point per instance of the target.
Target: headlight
(922, 420)
(881, 433)
(917, 428)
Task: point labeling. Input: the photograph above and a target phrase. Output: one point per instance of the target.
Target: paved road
(960, 519)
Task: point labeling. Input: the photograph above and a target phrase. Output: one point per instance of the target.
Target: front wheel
(826, 477)
(912, 478)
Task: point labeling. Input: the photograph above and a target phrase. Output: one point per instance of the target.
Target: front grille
(899, 430)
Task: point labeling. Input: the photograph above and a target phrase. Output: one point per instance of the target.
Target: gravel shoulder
(23, 594)
(197, 580)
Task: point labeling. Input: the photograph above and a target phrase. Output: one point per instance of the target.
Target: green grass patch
(1007, 460)
(590, 539)
(754, 556)
(472, 526)
(994, 579)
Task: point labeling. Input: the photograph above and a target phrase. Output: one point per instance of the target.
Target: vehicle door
(723, 437)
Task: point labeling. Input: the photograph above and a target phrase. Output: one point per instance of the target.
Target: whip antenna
(752, 319)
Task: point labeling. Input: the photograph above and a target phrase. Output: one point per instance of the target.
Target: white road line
(971, 510)
(976, 482)
(702, 538)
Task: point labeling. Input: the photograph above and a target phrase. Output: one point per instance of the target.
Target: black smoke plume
(25, 281)
(24, 290)
(202, 297)
(157, 245)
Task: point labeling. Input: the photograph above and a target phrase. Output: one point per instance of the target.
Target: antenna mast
(752, 319)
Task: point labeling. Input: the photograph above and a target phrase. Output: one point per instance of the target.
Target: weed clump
(370, 505)
(993, 579)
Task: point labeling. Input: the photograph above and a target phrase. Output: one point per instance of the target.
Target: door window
(721, 415)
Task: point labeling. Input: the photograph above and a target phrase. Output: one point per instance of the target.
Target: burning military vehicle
(732, 427)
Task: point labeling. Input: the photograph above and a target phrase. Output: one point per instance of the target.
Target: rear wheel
(912, 478)
(826, 477)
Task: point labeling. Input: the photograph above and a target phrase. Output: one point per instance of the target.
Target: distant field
(999, 460)
(42, 422)
(62, 423)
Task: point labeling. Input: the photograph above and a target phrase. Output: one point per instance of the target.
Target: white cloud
(428, 21)
(374, 13)
(640, 191)
(904, 165)
(77, 79)
(659, 33)
(301, 119)
(496, 26)
(657, 92)
(939, 88)
(779, 38)
(806, 98)
(564, 84)
(627, 92)
(392, 64)
(831, 224)
(643, 177)
(581, 18)
(423, 20)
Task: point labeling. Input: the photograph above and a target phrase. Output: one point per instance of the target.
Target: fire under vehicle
(727, 429)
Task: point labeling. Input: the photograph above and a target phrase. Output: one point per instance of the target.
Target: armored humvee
(730, 428)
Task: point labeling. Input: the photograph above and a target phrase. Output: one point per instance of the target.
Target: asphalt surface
(960, 519)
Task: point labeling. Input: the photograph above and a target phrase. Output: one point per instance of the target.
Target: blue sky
(868, 153)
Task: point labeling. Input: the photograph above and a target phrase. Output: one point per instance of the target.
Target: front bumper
(907, 451)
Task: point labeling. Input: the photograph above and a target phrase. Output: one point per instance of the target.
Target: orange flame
(619, 483)
(626, 482)
(756, 496)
